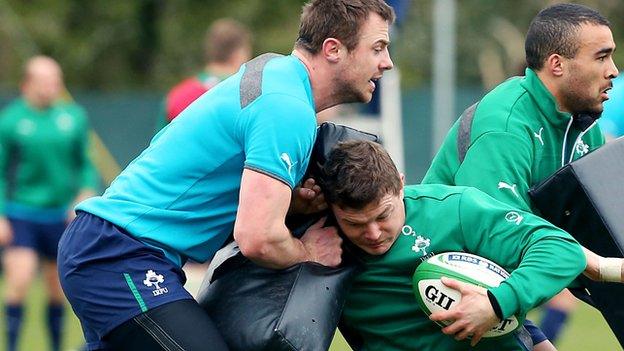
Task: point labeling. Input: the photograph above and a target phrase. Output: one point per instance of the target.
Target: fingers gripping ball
(433, 296)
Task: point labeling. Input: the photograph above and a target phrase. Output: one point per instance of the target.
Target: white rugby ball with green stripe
(433, 296)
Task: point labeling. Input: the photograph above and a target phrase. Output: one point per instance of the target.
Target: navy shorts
(109, 277)
(41, 237)
(537, 335)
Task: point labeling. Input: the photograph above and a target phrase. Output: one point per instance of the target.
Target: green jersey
(516, 139)
(43, 159)
(542, 259)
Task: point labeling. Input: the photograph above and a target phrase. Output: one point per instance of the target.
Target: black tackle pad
(586, 199)
(295, 309)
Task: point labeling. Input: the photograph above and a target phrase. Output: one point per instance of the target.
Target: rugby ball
(433, 296)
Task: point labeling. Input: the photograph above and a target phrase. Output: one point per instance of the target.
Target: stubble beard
(346, 92)
(577, 104)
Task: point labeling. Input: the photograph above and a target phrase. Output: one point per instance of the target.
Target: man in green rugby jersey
(395, 228)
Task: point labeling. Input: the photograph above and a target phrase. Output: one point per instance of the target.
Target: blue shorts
(41, 237)
(109, 277)
(537, 335)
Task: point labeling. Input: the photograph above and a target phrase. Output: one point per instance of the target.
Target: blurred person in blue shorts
(45, 171)
(231, 162)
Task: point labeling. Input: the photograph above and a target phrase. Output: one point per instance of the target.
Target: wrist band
(610, 269)
(498, 311)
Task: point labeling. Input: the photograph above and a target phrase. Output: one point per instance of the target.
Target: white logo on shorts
(153, 279)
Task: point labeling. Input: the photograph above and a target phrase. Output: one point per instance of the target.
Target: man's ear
(555, 64)
(402, 179)
(332, 49)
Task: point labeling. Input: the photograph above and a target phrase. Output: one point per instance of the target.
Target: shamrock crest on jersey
(581, 148)
(420, 243)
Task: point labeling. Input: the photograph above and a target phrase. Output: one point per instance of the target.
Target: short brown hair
(340, 19)
(555, 30)
(223, 38)
(358, 173)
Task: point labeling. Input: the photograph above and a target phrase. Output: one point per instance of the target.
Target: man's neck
(551, 85)
(320, 79)
(36, 105)
(222, 69)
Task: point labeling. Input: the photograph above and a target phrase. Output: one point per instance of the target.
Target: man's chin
(363, 98)
(376, 250)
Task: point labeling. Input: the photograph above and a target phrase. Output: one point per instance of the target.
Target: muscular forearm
(276, 251)
(603, 269)
(592, 271)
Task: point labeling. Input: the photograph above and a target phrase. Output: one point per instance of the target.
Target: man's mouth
(604, 93)
(373, 81)
(377, 245)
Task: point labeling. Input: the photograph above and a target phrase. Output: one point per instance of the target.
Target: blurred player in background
(226, 47)
(45, 171)
(528, 127)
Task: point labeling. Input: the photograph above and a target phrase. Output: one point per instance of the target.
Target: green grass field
(587, 330)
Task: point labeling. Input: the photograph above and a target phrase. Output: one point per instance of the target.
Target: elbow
(252, 244)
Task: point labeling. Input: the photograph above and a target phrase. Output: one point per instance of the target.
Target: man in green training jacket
(45, 169)
(528, 127)
(397, 228)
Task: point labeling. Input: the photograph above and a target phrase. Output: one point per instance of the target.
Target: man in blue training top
(227, 164)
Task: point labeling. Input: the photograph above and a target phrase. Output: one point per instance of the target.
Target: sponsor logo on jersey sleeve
(514, 217)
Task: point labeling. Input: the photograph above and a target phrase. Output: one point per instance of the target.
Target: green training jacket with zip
(517, 138)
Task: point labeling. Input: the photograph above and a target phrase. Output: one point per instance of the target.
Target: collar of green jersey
(544, 99)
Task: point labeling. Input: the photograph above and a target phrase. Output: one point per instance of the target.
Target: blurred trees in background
(150, 44)
(138, 44)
